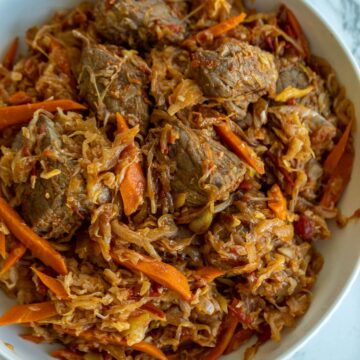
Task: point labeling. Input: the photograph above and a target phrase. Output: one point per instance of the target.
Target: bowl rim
(333, 307)
(347, 285)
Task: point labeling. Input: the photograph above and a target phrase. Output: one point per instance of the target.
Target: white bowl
(341, 253)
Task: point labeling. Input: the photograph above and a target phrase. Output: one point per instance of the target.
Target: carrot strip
(20, 114)
(158, 271)
(121, 124)
(153, 309)
(10, 54)
(65, 354)
(220, 28)
(19, 314)
(338, 180)
(297, 29)
(238, 339)
(53, 284)
(103, 338)
(60, 58)
(38, 246)
(2, 245)
(132, 187)
(33, 338)
(337, 152)
(277, 202)
(240, 148)
(208, 273)
(229, 324)
(150, 349)
(14, 256)
(19, 98)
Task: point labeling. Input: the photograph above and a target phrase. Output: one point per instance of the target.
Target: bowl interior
(341, 253)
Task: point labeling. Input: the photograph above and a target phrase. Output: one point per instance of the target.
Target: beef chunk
(202, 165)
(137, 22)
(292, 75)
(234, 70)
(44, 204)
(114, 80)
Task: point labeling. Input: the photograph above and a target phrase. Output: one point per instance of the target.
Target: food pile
(165, 168)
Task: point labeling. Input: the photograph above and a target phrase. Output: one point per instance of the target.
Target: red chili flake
(41, 288)
(42, 129)
(241, 315)
(265, 334)
(289, 30)
(291, 101)
(26, 151)
(155, 290)
(106, 356)
(246, 185)
(153, 309)
(270, 43)
(304, 227)
(31, 69)
(233, 250)
(134, 293)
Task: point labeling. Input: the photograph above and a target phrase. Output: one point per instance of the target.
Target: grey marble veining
(349, 11)
(344, 15)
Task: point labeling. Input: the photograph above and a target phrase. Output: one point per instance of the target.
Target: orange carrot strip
(338, 180)
(20, 114)
(104, 338)
(277, 202)
(53, 284)
(19, 314)
(38, 246)
(297, 29)
(2, 245)
(208, 273)
(149, 306)
(240, 148)
(158, 271)
(65, 354)
(19, 98)
(221, 28)
(14, 256)
(121, 124)
(336, 153)
(59, 56)
(132, 187)
(150, 349)
(238, 339)
(10, 54)
(229, 325)
(33, 338)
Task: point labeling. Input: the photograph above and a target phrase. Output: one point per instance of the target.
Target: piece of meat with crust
(44, 203)
(294, 73)
(137, 23)
(115, 80)
(204, 169)
(234, 70)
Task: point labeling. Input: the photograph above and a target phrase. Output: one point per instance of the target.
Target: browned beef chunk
(44, 204)
(203, 167)
(234, 70)
(292, 75)
(114, 80)
(137, 22)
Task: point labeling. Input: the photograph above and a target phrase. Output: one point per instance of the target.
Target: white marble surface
(339, 339)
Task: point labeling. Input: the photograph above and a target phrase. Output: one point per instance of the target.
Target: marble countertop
(339, 339)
